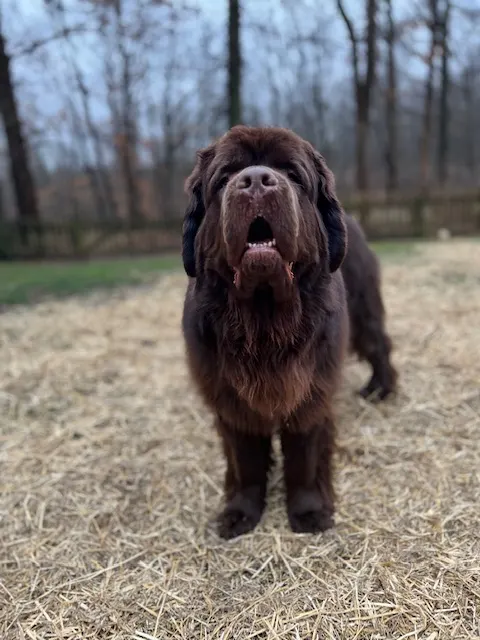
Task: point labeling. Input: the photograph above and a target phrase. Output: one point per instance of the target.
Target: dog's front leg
(308, 475)
(248, 462)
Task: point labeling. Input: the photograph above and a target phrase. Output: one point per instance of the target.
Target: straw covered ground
(110, 478)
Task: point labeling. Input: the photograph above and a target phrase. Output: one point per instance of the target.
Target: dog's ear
(331, 212)
(195, 210)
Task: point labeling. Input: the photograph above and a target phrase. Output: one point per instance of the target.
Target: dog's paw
(235, 522)
(308, 514)
(376, 392)
(314, 521)
(240, 516)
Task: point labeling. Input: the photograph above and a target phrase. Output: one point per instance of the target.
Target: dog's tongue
(263, 265)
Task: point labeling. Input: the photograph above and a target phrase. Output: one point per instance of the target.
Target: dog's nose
(256, 180)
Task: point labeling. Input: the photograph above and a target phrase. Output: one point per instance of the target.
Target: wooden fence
(417, 216)
(400, 217)
(84, 239)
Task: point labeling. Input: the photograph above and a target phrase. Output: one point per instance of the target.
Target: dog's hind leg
(372, 343)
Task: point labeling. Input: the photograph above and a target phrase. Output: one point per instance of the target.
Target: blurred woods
(104, 102)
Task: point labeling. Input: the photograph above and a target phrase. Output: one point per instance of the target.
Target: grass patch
(26, 282)
(395, 249)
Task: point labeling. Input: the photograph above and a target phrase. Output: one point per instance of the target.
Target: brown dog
(265, 317)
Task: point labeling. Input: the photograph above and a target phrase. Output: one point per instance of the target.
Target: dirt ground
(110, 478)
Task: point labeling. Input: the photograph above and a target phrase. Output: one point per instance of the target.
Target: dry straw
(110, 477)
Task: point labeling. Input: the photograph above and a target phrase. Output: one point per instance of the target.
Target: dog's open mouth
(260, 235)
(262, 262)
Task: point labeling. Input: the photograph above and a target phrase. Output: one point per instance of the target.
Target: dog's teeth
(264, 243)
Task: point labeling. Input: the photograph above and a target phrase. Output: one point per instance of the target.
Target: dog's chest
(273, 390)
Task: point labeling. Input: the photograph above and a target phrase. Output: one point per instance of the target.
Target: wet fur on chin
(276, 275)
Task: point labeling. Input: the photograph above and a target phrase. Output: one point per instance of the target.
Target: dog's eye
(294, 177)
(221, 183)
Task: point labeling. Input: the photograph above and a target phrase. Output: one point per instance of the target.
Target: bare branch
(371, 44)
(353, 40)
(58, 35)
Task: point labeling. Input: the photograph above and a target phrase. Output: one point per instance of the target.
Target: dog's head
(262, 203)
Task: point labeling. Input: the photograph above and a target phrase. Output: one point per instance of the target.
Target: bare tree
(234, 64)
(443, 133)
(118, 34)
(2, 210)
(138, 85)
(363, 84)
(391, 151)
(126, 132)
(426, 134)
(468, 91)
(211, 116)
(83, 125)
(22, 180)
(100, 180)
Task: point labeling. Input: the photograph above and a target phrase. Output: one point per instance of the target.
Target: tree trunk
(362, 126)
(425, 141)
(101, 184)
(391, 152)
(127, 162)
(468, 81)
(128, 137)
(2, 214)
(366, 95)
(442, 167)
(234, 64)
(427, 127)
(22, 180)
(364, 86)
(169, 162)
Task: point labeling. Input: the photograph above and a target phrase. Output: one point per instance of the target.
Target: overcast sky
(41, 77)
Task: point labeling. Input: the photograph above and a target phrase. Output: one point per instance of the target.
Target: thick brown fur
(266, 331)
(368, 336)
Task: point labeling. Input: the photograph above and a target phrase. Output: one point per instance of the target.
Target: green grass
(25, 282)
(395, 249)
